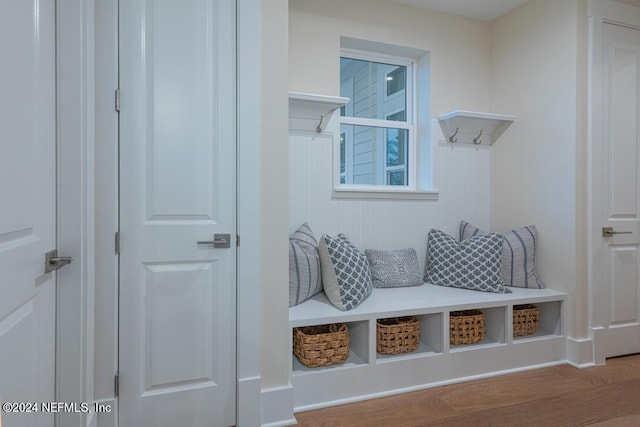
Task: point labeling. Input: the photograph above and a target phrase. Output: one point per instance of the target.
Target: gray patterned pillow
(518, 255)
(346, 277)
(304, 266)
(472, 264)
(390, 269)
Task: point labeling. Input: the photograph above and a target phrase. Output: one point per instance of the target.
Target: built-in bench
(367, 374)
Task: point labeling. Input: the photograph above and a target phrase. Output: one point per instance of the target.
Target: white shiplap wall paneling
(461, 174)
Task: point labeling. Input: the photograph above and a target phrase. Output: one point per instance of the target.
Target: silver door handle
(609, 231)
(53, 262)
(219, 241)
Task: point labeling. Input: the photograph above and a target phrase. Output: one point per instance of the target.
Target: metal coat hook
(319, 128)
(477, 139)
(453, 138)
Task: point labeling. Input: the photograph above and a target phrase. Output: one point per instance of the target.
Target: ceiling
(485, 10)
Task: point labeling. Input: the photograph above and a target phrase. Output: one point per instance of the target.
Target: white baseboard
(599, 345)
(277, 407)
(249, 395)
(580, 352)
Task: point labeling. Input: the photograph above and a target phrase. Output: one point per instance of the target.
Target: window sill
(383, 193)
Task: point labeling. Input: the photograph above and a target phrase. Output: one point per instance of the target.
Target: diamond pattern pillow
(346, 277)
(472, 264)
(518, 255)
(391, 269)
(304, 266)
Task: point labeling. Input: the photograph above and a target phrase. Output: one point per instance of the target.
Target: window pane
(396, 80)
(396, 178)
(367, 147)
(375, 89)
(396, 147)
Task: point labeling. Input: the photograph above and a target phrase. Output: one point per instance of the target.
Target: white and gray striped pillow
(518, 255)
(304, 266)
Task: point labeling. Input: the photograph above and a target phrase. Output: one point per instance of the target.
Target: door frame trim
(249, 83)
(75, 206)
(600, 12)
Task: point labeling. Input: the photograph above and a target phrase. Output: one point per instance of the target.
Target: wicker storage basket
(321, 345)
(525, 319)
(466, 327)
(397, 335)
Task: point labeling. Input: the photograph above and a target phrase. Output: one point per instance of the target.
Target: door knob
(609, 231)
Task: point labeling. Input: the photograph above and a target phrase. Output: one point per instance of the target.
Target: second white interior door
(177, 188)
(621, 189)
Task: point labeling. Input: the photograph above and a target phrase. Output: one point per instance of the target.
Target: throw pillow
(346, 277)
(518, 255)
(304, 266)
(472, 264)
(390, 269)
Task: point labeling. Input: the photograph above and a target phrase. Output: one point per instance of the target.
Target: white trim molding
(580, 352)
(75, 71)
(248, 13)
(277, 407)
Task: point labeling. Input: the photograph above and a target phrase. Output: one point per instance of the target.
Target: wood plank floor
(556, 396)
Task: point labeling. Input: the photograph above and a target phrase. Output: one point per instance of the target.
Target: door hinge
(116, 385)
(118, 100)
(117, 242)
(237, 240)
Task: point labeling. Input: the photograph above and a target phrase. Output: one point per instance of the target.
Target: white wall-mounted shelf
(473, 127)
(311, 112)
(368, 374)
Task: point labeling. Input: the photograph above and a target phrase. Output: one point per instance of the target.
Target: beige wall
(273, 213)
(537, 167)
(459, 47)
(459, 54)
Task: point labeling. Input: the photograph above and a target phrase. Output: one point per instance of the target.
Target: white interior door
(27, 206)
(177, 187)
(621, 189)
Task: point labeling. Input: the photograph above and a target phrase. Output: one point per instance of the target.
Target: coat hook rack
(477, 139)
(453, 138)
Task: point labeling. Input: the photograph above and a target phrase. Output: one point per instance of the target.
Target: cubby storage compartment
(549, 323)
(321, 345)
(397, 335)
(494, 329)
(358, 349)
(366, 373)
(430, 339)
(525, 320)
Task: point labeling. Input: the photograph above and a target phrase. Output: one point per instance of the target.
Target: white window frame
(409, 125)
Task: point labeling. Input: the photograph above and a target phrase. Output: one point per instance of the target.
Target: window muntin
(377, 136)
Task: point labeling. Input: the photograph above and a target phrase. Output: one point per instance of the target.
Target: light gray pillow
(346, 277)
(518, 255)
(304, 266)
(391, 269)
(473, 264)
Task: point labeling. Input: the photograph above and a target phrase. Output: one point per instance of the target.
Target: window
(377, 137)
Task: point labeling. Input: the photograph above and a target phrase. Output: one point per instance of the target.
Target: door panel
(621, 90)
(27, 206)
(177, 187)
